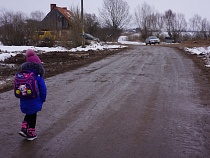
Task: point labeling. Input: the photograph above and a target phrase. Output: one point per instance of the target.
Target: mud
(53, 62)
(148, 101)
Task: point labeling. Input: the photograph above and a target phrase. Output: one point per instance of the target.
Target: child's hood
(38, 68)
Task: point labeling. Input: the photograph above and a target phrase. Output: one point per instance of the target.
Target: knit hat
(32, 57)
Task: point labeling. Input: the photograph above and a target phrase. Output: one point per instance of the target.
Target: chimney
(52, 6)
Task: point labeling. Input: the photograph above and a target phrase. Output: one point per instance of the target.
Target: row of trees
(174, 24)
(16, 28)
(114, 16)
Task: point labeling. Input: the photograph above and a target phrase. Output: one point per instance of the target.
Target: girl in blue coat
(30, 107)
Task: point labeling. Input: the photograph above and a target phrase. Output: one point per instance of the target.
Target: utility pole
(82, 23)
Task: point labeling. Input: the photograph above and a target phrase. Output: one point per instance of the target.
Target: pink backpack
(25, 84)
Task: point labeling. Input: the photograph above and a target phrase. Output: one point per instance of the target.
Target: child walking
(31, 106)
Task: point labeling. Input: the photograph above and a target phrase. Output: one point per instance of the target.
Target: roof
(66, 13)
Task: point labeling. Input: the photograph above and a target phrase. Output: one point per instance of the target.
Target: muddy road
(146, 102)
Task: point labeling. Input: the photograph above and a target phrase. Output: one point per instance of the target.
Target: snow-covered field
(9, 51)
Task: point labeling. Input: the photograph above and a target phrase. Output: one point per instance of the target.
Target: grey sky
(187, 7)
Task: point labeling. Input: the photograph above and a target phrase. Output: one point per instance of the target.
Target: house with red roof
(57, 19)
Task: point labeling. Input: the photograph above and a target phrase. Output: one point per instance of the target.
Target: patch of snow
(198, 50)
(204, 51)
(9, 51)
(4, 56)
(97, 46)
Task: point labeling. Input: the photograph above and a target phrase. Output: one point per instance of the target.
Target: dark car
(169, 40)
(152, 40)
(90, 37)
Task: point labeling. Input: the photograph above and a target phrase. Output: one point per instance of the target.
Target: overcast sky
(187, 7)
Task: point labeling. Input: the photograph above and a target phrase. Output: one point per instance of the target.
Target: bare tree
(159, 23)
(115, 15)
(195, 25)
(145, 19)
(180, 22)
(156, 23)
(179, 25)
(169, 21)
(200, 27)
(37, 15)
(205, 28)
(12, 27)
(175, 23)
(33, 25)
(91, 24)
(208, 29)
(75, 26)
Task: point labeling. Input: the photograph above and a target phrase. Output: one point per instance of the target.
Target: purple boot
(31, 135)
(24, 128)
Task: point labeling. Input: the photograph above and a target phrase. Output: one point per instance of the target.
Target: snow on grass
(9, 51)
(97, 46)
(204, 51)
(198, 50)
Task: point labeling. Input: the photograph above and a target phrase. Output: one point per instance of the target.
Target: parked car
(90, 37)
(169, 40)
(152, 40)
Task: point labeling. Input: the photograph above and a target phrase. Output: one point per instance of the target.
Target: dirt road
(147, 102)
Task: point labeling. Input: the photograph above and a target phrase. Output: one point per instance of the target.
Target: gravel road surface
(145, 102)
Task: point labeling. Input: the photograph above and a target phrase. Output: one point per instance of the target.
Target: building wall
(55, 21)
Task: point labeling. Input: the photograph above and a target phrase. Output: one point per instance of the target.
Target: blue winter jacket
(32, 106)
